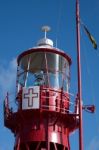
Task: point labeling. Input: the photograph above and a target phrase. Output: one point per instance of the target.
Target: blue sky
(20, 23)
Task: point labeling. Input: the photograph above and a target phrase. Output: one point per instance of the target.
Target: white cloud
(7, 83)
(7, 76)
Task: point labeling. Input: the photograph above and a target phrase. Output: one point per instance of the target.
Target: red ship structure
(43, 120)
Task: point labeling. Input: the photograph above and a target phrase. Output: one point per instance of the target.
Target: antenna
(46, 29)
(45, 41)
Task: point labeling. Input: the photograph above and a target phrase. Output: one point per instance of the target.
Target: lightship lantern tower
(43, 120)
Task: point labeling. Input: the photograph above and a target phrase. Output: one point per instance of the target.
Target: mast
(79, 75)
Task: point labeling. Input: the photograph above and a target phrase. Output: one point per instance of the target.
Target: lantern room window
(46, 69)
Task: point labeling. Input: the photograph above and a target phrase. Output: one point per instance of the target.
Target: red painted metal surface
(45, 128)
(79, 76)
(38, 49)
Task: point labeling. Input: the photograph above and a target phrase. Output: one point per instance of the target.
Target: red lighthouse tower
(43, 120)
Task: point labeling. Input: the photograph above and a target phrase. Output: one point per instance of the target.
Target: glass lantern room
(47, 67)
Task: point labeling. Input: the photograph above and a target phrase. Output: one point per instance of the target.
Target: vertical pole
(46, 64)
(47, 135)
(7, 100)
(27, 73)
(79, 75)
(27, 147)
(17, 80)
(18, 144)
(47, 124)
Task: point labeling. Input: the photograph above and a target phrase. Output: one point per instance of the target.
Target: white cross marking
(30, 95)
